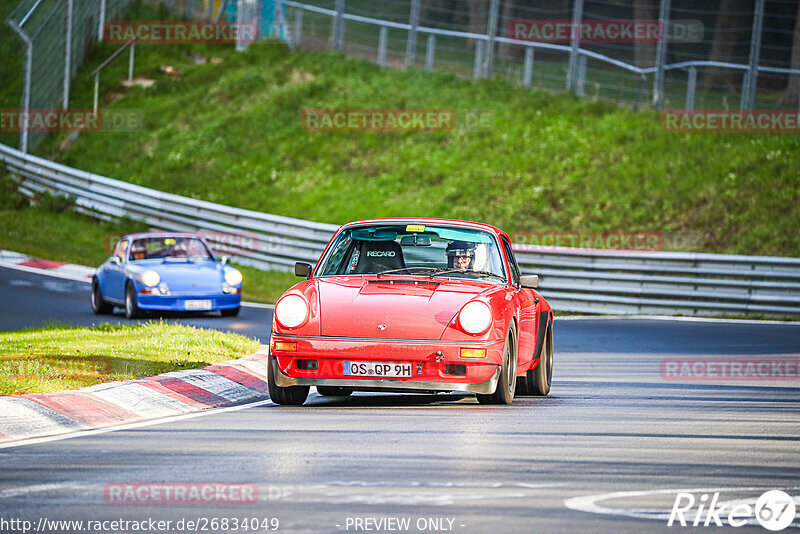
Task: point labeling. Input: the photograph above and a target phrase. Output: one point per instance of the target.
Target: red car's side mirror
(302, 269)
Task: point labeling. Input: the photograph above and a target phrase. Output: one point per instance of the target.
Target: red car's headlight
(291, 311)
(475, 317)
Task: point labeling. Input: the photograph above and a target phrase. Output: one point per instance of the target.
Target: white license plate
(195, 305)
(376, 369)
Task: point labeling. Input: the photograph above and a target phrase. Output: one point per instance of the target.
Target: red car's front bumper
(436, 365)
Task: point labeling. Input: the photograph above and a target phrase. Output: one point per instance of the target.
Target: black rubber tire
(506, 386)
(99, 305)
(334, 391)
(132, 310)
(230, 312)
(540, 378)
(289, 396)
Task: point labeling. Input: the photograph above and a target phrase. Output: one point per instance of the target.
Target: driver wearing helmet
(460, 255)
(138, 251)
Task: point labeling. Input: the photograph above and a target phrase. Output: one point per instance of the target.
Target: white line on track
(589, 503)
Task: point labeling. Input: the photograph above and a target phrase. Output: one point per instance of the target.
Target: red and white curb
(131, 401)
(22, 262)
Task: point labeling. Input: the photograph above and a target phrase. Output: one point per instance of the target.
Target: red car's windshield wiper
(468, 271)
(407, 269)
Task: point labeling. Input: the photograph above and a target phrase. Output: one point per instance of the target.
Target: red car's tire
(506, 386)
(290, 396)
(99, 304)
(540, 378)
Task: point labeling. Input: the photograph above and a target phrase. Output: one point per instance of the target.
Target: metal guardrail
(577, 280)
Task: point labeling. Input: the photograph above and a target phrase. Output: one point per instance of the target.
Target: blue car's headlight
(150, 278)
(233, 277)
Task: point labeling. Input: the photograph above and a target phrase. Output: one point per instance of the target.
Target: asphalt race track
(608, 450)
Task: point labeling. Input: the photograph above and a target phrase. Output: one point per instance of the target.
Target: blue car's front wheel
(99, 304)
(131, 307)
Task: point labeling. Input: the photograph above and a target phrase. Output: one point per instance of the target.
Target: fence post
(411, 44)
(130, 61)
(527, 72)
(68, 54)
(430, 51)
(640, 92)
(382, 39)
(338, 26)
(691, 86)
(210, 9)
(491, 33)
(751, 79)
(245, 14)
(575, 39)
(579, 85)
(476, 67)
(298, 28)
(102, 23)
(96, 91)
(661, 54)
(26, 87)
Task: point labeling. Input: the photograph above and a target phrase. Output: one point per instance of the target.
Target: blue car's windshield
(148, 248)
(415, 250)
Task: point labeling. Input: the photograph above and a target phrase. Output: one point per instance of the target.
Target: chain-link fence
(718, 54)
(57, 36)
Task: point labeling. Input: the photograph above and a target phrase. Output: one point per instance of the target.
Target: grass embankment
(62, 357)
(231, 133)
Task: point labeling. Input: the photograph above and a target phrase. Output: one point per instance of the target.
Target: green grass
(231, 133)
(61, 357)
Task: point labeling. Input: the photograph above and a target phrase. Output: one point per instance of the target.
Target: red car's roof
(426, 221)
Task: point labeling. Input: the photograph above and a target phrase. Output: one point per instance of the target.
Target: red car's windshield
(149, 248)
(416, 250)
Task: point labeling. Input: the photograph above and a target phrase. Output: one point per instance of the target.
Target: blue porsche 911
(165, 271)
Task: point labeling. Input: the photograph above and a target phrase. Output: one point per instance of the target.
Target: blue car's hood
(184, 276)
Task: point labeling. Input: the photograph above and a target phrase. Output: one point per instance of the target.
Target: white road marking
(589, 503)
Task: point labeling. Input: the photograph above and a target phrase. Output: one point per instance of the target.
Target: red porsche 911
(412, 305)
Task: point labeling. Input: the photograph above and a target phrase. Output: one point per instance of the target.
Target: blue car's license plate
(196, 305)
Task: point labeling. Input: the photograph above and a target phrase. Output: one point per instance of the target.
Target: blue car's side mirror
(115, 260)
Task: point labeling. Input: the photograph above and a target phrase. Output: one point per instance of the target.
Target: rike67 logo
(774, 510)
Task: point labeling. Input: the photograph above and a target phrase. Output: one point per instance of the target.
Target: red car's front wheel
(504, 394)
(291, 395)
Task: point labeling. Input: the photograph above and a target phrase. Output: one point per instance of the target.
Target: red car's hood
(356, 306)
